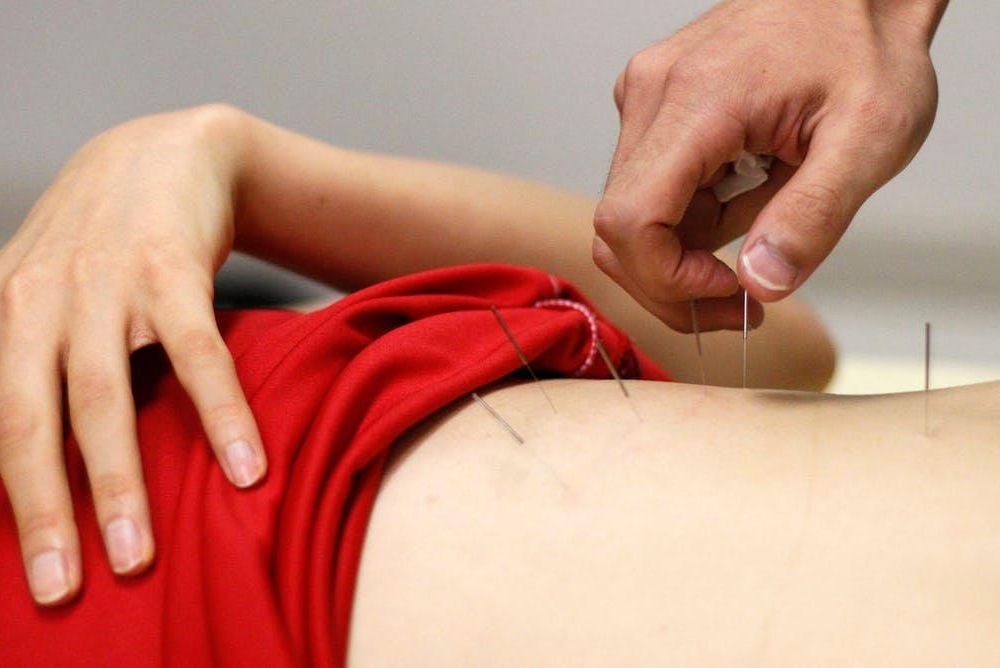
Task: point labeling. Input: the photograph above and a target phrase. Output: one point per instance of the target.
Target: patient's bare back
(717, 527)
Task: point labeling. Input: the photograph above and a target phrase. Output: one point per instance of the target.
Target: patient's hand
(120, 252)
(842, 92)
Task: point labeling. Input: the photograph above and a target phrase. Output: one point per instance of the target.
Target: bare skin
(121, 251)
(725, 528)
(841, 92)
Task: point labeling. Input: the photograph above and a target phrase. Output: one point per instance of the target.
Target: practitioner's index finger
(646, 198)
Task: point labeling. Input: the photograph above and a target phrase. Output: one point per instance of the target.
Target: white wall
(517, 86)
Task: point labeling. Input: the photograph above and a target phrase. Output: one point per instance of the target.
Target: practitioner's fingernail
(769, 268)
(242, 463)
(124, 549)
(48, 577)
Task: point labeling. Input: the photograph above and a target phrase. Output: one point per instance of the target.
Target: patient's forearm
(352, 219)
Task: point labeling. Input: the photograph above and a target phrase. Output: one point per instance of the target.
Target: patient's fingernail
(768, 267)
(242, 463)
(123, 544)
(47, 576)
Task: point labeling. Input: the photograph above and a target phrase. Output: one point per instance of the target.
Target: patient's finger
(102, 413)
(31, 454)
(204, 366)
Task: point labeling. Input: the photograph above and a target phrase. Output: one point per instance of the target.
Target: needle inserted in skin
(496, 416)
(616, 375)
(927, 372)
(697, 337)
(521, 355)
(746, 328)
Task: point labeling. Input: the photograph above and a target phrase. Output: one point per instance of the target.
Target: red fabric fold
(266, 576)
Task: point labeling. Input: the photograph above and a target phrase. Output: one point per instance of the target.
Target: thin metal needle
(697, 337)
(927, 373)
(611, 366)
(746, 328)
(521, 355)
(616, 375)
(496, 416)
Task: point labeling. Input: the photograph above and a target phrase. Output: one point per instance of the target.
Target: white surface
(860, 374)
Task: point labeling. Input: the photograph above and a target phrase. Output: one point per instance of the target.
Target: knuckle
(869, 107)
(35, 521)
(613, 218)
(113, 487)
(209, 115)
(903, 122)
(227, 413)
(160, 266)
(899, 120)
(21, 289)
(686, 275)
(814, 204)
(202, 346)
(18, 427)
(606, 222)
(618, 92)
(87, 267)
(140, 333)
(644, 70)
(684, 73)
(93, 388)
(603, 258)
(891, 118)
(664, 292)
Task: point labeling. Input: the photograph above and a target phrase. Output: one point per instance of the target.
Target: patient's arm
(726, 528)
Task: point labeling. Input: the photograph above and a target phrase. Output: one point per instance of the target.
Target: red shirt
(266, 576)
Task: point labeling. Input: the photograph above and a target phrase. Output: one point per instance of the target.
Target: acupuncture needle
(521, 355)
(517, 437)
(498, 418)
(927, 373)
(616, 375)
(746, 328)
(697, 337)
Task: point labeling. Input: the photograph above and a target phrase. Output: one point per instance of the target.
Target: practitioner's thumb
(803, 222)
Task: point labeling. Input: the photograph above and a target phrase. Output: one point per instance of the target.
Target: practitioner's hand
(120, 252)
(843, 93)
